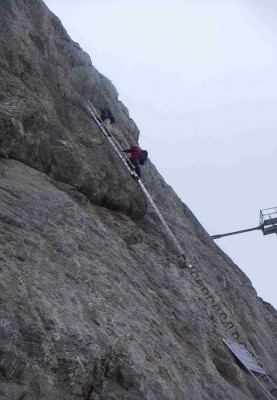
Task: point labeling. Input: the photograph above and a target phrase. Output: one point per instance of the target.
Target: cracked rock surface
(95, 303)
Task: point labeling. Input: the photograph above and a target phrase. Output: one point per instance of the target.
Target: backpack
(143, 157)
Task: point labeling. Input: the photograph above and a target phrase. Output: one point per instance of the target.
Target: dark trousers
(136, 164)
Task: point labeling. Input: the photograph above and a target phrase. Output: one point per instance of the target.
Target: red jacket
(135, 152)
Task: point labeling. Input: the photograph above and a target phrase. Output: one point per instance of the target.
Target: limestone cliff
(95, 304)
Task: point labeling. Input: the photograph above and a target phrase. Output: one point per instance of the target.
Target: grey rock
(3, 154)
(44, 122)
(95, 304)
(91, 307)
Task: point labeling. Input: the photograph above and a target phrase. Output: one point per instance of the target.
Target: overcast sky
(199, 78)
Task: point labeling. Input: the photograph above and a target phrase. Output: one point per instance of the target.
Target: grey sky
(200, 80)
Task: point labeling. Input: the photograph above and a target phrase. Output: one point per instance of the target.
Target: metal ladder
(245, 358)
(124, 158)
(270, 389)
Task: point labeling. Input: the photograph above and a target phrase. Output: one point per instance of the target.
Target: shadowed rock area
(95, 304)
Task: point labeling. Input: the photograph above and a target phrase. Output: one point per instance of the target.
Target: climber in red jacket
(134, 158)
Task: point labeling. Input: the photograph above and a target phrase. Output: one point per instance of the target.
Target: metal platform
(255, 369)
(268, 220)
(268, 224)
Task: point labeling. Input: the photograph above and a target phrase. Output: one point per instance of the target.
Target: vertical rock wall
(95, 304)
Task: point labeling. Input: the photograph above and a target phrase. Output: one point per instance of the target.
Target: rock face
(95, 304)
(43, 119)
